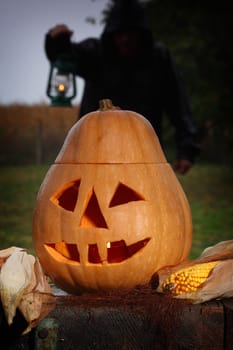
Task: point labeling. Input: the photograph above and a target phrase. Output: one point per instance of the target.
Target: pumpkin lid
(111, 135)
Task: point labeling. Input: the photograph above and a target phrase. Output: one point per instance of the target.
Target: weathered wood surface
(138, 319)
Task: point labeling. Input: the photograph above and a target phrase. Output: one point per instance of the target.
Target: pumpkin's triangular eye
(67, 196)
(123, 195)
(92, 216)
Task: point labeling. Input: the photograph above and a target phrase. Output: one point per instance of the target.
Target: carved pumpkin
(110, 211)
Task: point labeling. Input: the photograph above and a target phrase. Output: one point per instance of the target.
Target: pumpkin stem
(106, 104)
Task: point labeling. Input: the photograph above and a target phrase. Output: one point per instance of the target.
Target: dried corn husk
(24, 286)
(219, 284)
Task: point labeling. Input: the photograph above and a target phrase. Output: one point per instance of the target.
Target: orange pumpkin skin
(110, 211)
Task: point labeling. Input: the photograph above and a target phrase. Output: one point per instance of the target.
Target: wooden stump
(137, 319)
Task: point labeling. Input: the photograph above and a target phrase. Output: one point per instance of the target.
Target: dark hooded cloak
(150, 84)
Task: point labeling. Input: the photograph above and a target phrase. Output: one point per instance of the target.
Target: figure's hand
(181, 166)
(60, 30)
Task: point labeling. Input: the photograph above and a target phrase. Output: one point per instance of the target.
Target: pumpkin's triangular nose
(92, 216)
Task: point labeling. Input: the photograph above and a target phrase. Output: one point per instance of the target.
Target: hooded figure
(127, 66)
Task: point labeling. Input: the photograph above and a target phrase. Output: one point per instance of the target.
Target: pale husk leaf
(23, 285)
(15, 276)
(38, 301)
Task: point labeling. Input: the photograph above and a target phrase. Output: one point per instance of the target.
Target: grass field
(208, 188)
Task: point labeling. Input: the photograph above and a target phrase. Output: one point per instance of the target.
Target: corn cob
(188, 279)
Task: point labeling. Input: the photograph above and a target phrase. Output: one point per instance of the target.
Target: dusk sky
(24, 67)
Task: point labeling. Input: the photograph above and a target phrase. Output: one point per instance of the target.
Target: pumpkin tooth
(84, 252)
(102, 248)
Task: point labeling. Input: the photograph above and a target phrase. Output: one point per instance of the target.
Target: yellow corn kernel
(188, 279)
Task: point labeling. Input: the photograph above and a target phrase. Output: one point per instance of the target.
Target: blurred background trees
(199, 34)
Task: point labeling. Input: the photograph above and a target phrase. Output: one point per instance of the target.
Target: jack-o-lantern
(110, 211)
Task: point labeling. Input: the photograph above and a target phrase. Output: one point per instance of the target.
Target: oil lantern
(61, 88)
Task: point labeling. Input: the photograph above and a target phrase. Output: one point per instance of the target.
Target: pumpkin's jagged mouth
(117, 251)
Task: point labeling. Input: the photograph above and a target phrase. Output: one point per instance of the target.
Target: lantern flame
(61, 87)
